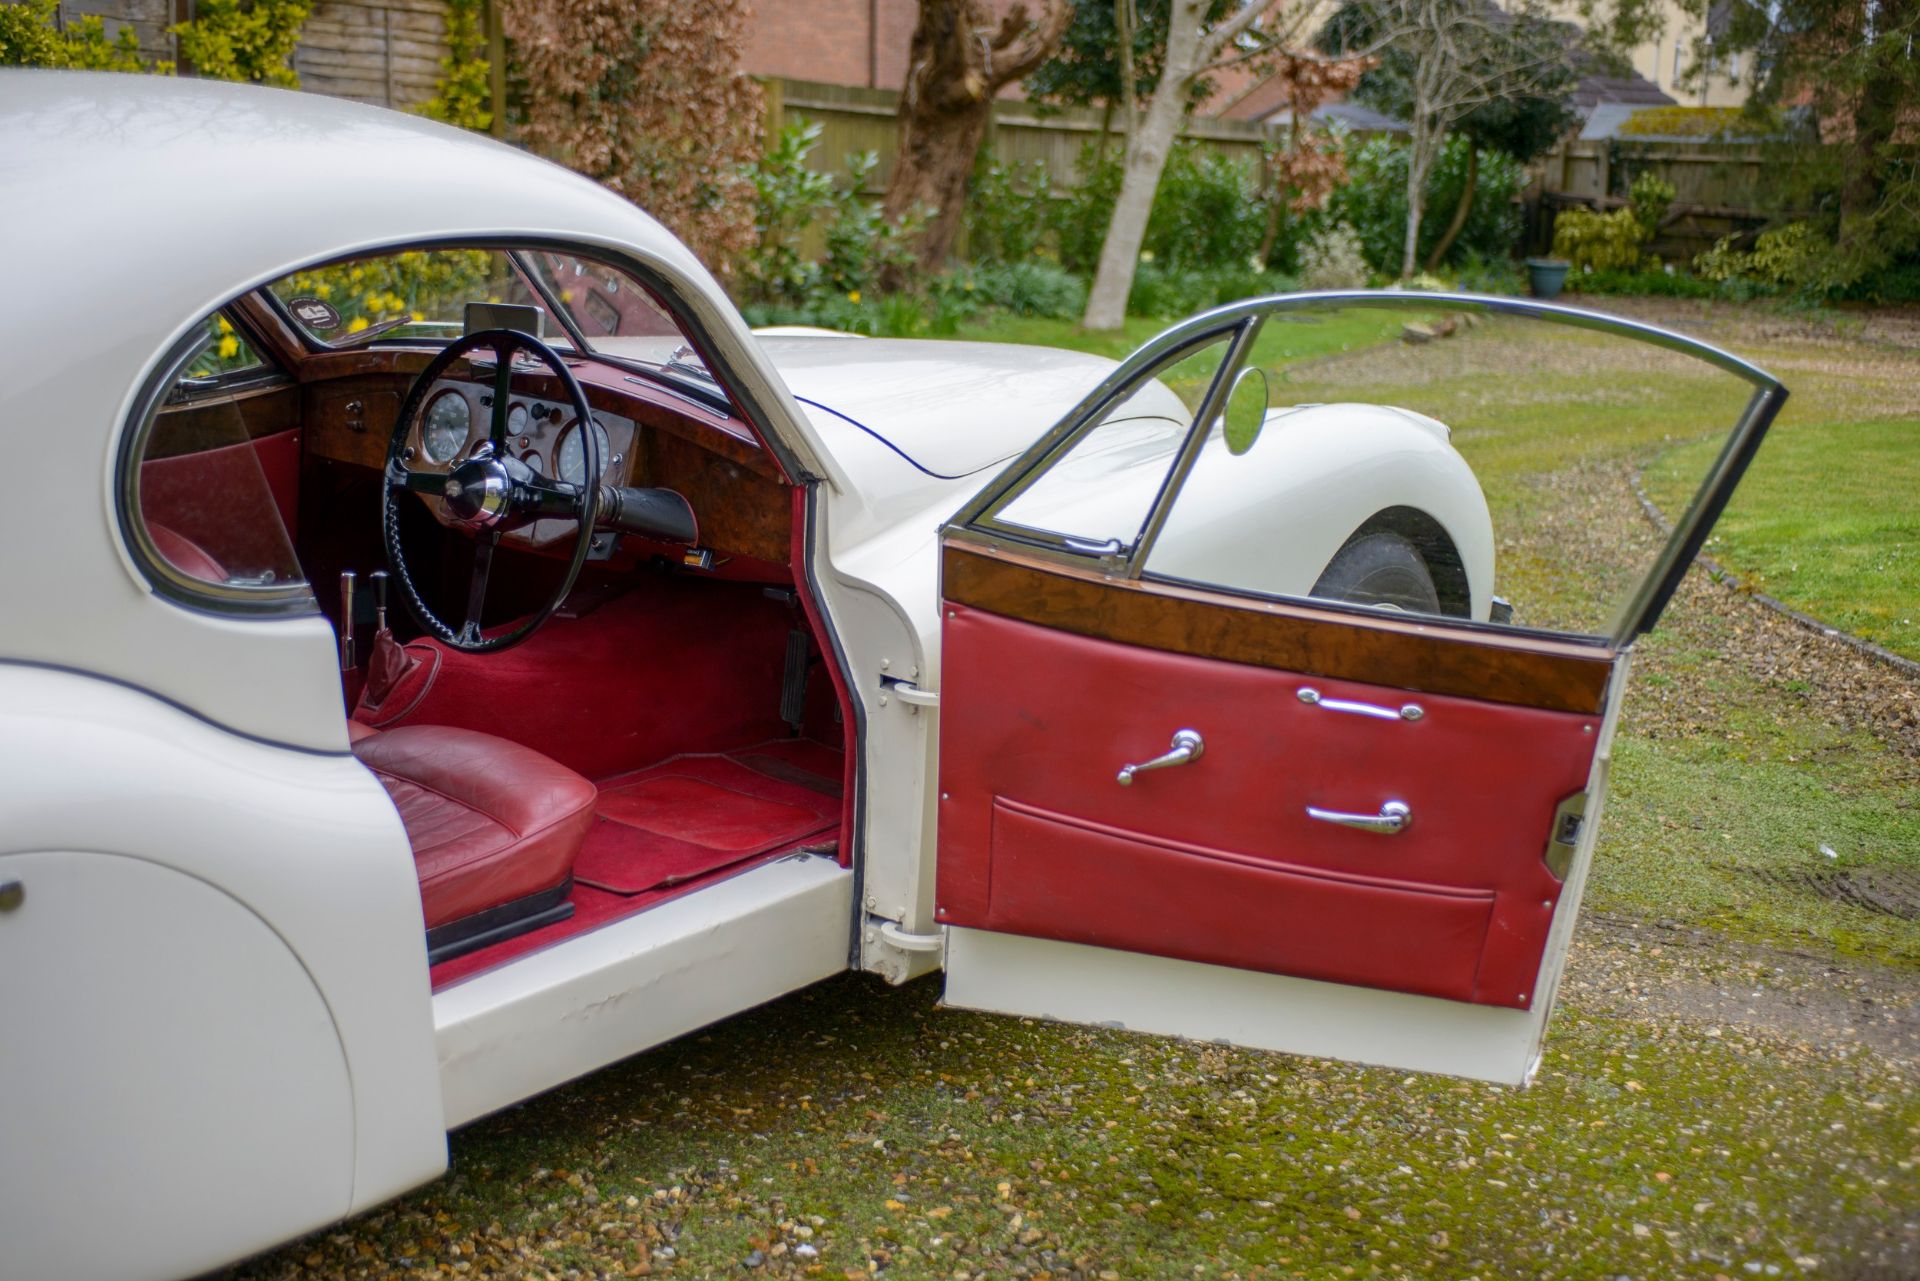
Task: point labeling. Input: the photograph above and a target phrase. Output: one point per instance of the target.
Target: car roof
(131, 174)
(134, 206)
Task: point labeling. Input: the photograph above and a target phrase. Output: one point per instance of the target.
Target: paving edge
(1733, 582)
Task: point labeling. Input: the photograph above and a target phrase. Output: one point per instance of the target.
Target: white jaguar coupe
(444, 651)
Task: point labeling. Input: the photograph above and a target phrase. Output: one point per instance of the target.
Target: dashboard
(547, 435)
(652, 436)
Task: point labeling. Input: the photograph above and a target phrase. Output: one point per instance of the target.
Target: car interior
(575, 644)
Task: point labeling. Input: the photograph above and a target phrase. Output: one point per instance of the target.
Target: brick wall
(861, 43)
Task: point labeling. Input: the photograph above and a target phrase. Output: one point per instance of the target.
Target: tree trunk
(1420, 156)
(960, 57)
(1460, 211)
(1147, 148)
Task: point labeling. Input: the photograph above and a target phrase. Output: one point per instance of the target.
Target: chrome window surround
(1643, 605)
(293, 597)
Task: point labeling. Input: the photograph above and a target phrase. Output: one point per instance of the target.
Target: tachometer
(572, 457)
(443, 432)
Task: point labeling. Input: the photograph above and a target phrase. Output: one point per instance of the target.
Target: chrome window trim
(292, 598)
(1643, 605)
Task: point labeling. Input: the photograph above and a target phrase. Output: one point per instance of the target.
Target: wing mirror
(1246, 410)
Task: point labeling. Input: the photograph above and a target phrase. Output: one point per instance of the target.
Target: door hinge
(907, 692)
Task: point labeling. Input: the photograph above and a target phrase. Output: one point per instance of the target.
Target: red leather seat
(490, 821)
(185, 555)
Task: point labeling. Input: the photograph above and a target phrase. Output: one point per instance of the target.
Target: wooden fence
(1717, 187)
(855, 119)
(386, 52)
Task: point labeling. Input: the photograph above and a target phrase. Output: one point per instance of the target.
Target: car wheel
(1380, 569)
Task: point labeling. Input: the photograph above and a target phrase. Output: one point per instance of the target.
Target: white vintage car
(444, 652)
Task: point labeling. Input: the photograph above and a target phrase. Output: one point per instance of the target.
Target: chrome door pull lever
(1187, 746)
(1406, 712)
(1391, 820)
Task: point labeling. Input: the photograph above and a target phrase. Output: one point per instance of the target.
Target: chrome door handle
(1405, 712)
(1393, 818)
(1187, 746)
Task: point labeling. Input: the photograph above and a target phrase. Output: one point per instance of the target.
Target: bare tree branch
(1009, 61)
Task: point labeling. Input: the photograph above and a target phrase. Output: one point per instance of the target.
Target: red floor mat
(691, 815)
(788, 773)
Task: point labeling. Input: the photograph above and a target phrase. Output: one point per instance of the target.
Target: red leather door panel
(1217, 860)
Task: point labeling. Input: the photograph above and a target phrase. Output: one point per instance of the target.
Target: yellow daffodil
(854, 296)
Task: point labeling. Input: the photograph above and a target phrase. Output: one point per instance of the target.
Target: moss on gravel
(884, 1134)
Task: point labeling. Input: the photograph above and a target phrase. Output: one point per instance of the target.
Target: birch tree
(1196, 45)
(1457, 57)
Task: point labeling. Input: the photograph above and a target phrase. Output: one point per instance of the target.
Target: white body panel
(283, 903)
(1074, 983)
(167, 1100)
(526, 1027)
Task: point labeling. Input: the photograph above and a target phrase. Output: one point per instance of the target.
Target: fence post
(775, 90)
(496, 69)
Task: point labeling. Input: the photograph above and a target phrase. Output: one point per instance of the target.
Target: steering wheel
(490, 492)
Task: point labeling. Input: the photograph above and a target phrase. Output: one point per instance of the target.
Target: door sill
(512, 1032)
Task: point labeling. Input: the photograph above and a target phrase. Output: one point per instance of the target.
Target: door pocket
(1054, 876)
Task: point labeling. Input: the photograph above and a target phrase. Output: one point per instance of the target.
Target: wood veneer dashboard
(351, 400)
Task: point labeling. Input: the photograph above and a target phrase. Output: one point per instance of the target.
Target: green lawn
(1827, 519)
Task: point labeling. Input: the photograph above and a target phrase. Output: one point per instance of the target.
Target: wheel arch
(1436, 547)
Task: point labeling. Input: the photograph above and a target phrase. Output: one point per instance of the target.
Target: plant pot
(1546, 275)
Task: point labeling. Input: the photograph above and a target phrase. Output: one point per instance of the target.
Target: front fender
(1269, 520)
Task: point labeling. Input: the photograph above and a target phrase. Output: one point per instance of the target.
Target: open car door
(1238, 742)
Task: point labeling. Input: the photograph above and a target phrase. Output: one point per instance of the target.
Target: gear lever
(379, 579)
(346, 620)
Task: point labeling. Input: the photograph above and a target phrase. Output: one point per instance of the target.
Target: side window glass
(214, 473)
(1433, 459)
(1098, 492)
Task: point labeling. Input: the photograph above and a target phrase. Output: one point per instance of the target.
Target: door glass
(1098, 490)
(1429, 457)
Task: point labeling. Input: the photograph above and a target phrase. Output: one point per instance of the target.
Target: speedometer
(572, 458)
(444, 429)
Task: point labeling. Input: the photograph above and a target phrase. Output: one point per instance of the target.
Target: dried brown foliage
(650, 98)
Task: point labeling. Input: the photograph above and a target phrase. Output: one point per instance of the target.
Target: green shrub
(1492, 275)
(1207, 212)
(1601, 242)
(1174, 292)
(1374, 203)
(1333, 258)
(31, 36)
(861, 243)
(1796, 257)
(1659, 284)
(1079, 222)
(1034, 287)
(1009, 210)
(1650, 197)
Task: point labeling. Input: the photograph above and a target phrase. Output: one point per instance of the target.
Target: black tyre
(1380, 569)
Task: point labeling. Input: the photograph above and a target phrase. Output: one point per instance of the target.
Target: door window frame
(1243, 321)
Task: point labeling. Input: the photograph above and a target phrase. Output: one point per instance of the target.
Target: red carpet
(685, 822)
(690, 815)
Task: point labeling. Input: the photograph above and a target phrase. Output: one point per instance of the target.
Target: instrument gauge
(444, 428)
(572, 456)
(517, 421)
